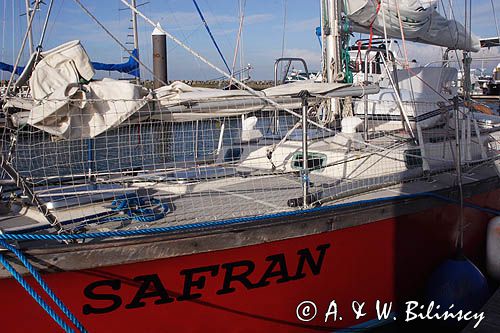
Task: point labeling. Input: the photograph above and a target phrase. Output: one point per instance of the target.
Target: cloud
(312, 58)
(183, 18)
(258, 18)
(303, 25)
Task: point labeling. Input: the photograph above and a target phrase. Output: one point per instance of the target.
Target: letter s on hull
(89, 292)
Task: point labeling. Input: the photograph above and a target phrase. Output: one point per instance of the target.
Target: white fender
(248, 131)
(493, 249)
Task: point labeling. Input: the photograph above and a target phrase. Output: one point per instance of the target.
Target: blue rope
(44, 286)
(211, 36)
(34, 295)
(318, 34)
(212, 224)
(131, 206)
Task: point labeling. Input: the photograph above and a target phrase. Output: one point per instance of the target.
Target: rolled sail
(130, 67)
(420, 20)
(10, 68)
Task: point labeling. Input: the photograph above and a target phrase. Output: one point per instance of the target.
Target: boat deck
(239, 195)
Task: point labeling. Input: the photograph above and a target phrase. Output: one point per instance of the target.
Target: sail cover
(420, 20)
(69, 109)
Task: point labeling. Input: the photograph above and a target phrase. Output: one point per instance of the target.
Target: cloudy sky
(267, 24)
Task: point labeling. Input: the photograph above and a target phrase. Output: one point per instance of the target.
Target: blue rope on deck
(133, 207)
(213, 224)
(44, 286)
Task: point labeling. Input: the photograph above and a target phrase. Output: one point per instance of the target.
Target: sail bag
(420, 21)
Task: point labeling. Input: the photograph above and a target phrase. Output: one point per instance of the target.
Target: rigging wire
(44, 28)
(242, 12)
(242, 4)
(495, 17)
(116, 39)
(223, 37)
(185, 38)
(20, 53)
(449, 16)
(52, 25)
(13, 32)
(452, 16)
(2, 53)
(406, 65)
(210, 34)
(283, 38)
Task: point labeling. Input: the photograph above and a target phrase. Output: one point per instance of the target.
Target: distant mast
(30, 32)
(136, 35)
(330, 23)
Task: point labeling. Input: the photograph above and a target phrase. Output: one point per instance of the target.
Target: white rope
(402, 35)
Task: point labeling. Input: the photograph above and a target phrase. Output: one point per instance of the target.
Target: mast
(135, 32)
(466, 54)
(30, 31)
(330, 22)
(332, 44)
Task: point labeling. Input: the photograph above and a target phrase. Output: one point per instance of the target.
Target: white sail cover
(420, 20)
(180, 102)
(67, 108)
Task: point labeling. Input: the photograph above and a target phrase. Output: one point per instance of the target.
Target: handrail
(290, 60)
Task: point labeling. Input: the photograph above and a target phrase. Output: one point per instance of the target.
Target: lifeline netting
(209, 160)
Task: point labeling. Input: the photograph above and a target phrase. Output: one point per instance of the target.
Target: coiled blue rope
(133, 208)
(44, 286)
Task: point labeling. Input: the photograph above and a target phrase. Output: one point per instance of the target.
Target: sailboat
(190, 209)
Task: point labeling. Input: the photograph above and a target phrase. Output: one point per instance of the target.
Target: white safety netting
(221, 167)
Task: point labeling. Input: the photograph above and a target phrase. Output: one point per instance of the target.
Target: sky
(271, 27)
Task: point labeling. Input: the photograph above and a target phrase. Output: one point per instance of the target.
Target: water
(146, 146)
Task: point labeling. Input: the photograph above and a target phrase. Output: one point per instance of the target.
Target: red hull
(387, 260)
